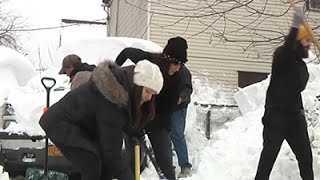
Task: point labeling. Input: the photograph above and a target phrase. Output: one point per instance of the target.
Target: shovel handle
(48, 87)
(48, 79)
(137, 161)
(305, 24)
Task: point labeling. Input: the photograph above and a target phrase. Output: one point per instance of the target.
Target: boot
(185, 172)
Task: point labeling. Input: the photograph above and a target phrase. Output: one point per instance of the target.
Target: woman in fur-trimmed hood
(87, 123)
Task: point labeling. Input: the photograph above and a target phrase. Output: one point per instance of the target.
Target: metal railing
(208, 114)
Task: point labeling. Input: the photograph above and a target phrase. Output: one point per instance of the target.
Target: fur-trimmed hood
(106, 77)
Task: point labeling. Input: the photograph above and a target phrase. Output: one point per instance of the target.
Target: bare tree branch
(8, 23)
(245, 22)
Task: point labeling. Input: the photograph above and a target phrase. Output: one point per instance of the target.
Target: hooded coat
(91, 117)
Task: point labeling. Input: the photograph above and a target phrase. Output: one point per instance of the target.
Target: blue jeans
(178, 123)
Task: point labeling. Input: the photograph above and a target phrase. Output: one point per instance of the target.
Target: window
(313, 5)
(247, 78)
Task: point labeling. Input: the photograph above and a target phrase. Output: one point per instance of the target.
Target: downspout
(148, 19)
(117, 19)
(106, 8)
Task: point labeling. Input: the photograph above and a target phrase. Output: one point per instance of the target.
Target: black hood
(82, 67)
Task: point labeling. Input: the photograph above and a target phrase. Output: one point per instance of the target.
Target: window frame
(246, 78)
(313, 5)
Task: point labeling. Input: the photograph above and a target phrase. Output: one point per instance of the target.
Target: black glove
(134, 132)
(297, 18)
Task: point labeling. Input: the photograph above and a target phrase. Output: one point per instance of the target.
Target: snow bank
(3, 175)
(15, 70)
(251, 97)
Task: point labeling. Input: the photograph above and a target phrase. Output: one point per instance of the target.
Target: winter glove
(297, 18)
(134, 132)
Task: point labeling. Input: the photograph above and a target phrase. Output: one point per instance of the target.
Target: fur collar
(107, 83)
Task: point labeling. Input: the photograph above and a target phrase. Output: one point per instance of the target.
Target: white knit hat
(148, 75)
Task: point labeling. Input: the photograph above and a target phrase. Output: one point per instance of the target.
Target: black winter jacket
(289, 76)
(167, 99)
(91, 117)
(185, 87)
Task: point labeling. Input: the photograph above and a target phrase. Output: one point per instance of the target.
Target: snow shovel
(152, 158)
(137, 160)
(305, 24)
(47, 86)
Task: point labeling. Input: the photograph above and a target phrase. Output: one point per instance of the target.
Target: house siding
(128, 18)
(112, 23)
(210, 58)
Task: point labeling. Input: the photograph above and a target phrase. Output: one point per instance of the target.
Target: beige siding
(315, 16)
(128, 18)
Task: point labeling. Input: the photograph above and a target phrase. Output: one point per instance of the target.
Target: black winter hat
(176, 50)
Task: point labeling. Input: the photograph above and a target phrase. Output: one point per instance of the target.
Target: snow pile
(12, 64)
(206, 92)
(3, 175)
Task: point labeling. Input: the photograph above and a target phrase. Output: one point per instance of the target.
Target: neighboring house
(230, 44)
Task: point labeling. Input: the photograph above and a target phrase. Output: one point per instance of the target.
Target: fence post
(208, 128)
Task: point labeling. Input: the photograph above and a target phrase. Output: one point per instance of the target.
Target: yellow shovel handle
(137, 161)
(305, 24)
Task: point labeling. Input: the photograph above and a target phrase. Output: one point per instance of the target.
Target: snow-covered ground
(232, 152)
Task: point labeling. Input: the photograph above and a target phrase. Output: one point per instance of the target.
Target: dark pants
(86, 162)
(161, 145)
(129, 153)
(91, 167)
(289, 126)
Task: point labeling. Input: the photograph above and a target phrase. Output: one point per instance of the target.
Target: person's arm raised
(134, 54)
